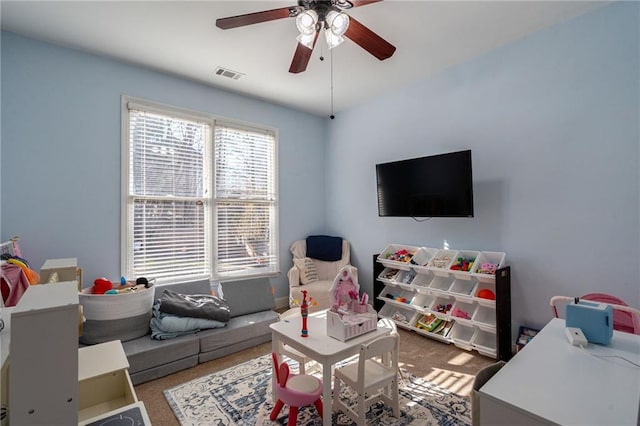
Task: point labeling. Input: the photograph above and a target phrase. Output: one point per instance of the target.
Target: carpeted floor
(439, 363)
(241, 395)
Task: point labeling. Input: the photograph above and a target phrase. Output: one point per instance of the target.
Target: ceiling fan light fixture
(337, 22)
(306, 39)
(307, 21)
(332, 39)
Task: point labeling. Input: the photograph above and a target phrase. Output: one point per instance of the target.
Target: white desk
(552, 382)
(319, 347)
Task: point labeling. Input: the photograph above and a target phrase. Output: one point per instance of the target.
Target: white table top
(318, 345)
(564, 384)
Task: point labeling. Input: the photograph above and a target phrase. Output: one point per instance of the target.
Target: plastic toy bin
(492, 257)
(441, 261)
(422, 301)
(441, 283)
(385, 256)
(462, 335)
(467, 256)
(485, 316)
(485, 342)
(401, 316)
(469, 307)
(463, 287)
(422, 257)
(389, 275)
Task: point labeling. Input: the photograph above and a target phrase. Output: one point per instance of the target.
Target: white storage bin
(484, 301)
(422, 257)
(386, 256)
(441, 305)
(441, 261)
(462, 287)
(493, 258)
(467, 259)
(422, 301)
(388, 275)
(401, 316)
(485, 342)
(406, 277)
(422, 280)
(440, 283)
(433, 326)
(469, 307)
(485, 317)
(462, 335)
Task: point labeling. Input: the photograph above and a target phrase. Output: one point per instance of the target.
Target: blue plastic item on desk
(594, 319)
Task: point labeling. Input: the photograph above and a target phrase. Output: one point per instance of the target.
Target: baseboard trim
(282, 302)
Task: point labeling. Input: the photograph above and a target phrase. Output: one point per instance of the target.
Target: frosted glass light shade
(332, 39)
(306, 39)
(337, 22)
(306, 21)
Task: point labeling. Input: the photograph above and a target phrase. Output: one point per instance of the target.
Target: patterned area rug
(241, 395)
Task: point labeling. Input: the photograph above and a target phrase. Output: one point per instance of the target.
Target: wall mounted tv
(435, 186)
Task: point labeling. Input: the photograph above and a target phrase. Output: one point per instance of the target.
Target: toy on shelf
(485, 293)
(105, 286)
(463, 264)
(488, 268)
(457, 312)
(402, 255)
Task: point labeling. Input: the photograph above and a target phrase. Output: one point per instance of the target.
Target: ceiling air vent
(223, 72)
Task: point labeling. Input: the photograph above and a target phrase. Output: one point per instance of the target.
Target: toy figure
(304, 310)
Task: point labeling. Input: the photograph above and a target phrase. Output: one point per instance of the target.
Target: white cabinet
(103, 380)
(454, 296)
(43, 386)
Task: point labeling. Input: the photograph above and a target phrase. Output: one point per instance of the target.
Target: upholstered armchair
(315, 275)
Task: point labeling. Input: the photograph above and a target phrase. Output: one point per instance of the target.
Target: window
(201, 196)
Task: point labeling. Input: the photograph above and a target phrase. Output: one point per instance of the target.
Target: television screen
(435, 186)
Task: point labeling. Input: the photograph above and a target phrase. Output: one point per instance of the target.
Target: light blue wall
(552, 121)
(60, 149)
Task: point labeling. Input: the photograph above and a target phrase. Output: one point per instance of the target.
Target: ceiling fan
(314, 17)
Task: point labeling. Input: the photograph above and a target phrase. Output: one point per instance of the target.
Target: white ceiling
(180, 38)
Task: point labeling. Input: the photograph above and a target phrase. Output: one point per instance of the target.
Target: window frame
(211, 120)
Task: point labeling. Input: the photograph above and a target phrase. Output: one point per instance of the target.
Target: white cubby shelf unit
(421, 288)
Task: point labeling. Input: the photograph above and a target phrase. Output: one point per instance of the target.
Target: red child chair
(295, 391)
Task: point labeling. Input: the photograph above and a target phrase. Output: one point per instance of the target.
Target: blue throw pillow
(324, 247)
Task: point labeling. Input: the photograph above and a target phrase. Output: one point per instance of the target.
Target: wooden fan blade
(368, 40)
(301, 57)
(363, 2)
(256, 17)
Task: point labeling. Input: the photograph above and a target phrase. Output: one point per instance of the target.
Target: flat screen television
(434, 186)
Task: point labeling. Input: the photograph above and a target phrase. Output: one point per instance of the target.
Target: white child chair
(374, 377)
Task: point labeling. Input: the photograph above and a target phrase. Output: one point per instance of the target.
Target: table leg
(275, 347)
(327, 401)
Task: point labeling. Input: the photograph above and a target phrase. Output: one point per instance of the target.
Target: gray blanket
(166, 326)
(195, 306)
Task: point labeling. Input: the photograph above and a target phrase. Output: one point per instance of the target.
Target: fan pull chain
(331, 116)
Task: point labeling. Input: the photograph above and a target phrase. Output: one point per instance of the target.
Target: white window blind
(174, 229)
(245, 201)
(169, 192)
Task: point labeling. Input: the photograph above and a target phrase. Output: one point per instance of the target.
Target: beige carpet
(440, 363)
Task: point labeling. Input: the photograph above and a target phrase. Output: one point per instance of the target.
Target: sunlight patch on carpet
(241, 395)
